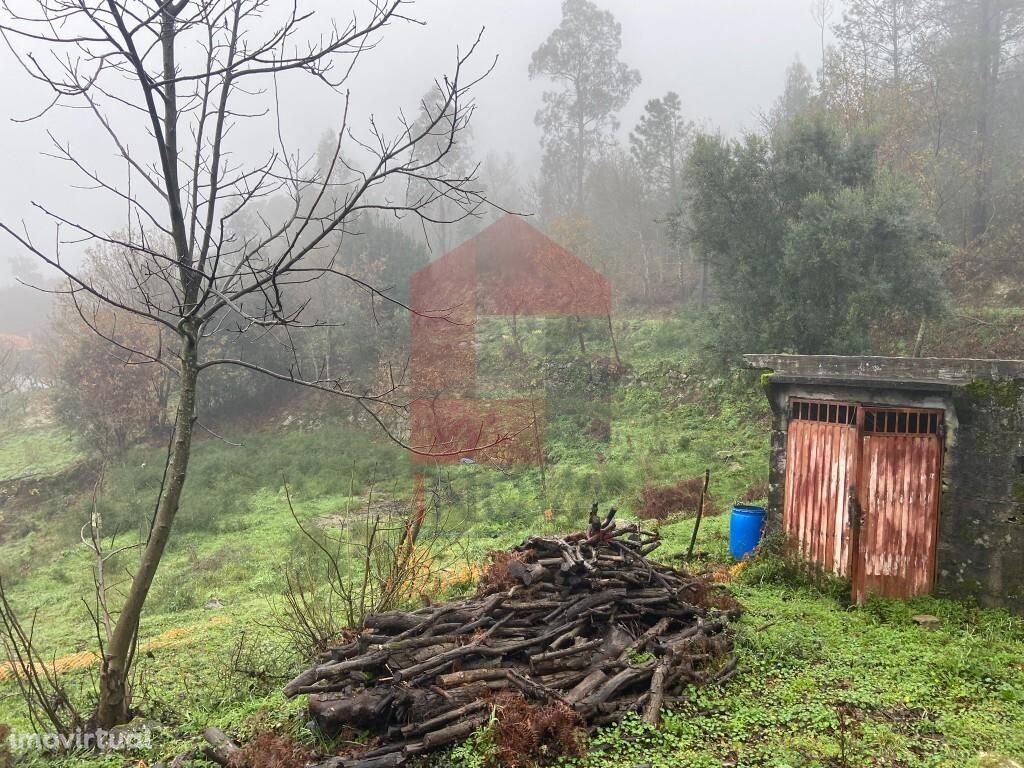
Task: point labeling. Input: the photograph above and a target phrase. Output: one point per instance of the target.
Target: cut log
(652, 711)
(220, 748)
(447, 735)
(527, 573)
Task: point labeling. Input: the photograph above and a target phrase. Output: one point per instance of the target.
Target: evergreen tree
(578, 121)
(812, 247)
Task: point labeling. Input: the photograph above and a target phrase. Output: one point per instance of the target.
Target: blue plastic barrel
(746, 527)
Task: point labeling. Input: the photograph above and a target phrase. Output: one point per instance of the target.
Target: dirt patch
(37, 488)
(386, 509)
(659, 502)
(708, 595)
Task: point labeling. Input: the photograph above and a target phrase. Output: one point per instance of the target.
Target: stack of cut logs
(585, 622)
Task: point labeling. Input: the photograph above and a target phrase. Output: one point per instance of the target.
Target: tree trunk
(705, 269)
(579, 151)
(896, 50)
(989, 30)
(114, 705)
(681, 271)
(645, 257)
(611, 335)
(516, 340)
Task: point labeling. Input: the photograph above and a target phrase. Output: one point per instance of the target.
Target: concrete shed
(905, 475)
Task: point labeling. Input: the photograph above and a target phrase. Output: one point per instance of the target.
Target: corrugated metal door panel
(820, 462)
(836, 521)
(827, 457)
(812, 512)
(899, 498)
(844, 542)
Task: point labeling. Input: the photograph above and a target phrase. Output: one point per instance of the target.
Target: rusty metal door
(862, 494)
(894, 536)
(821, 467)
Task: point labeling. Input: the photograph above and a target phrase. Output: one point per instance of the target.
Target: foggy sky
(726, 58)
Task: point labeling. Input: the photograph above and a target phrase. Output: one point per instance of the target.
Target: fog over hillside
(512, 383)
(726, 59)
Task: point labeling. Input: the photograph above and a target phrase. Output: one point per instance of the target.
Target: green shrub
(886, 611)
(174, 591)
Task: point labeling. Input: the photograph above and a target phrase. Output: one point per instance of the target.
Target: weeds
(776, 566)
(42, 690)
(386, 559)
(803, 650)
(661, 502)
(269, 750)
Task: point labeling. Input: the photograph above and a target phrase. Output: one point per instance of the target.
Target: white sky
(726, 58)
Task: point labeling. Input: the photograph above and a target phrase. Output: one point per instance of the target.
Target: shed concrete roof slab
(870, 371)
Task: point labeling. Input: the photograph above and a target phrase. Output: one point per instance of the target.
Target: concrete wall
(981, 538)
(981, 519)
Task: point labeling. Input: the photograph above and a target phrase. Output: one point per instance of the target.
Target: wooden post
(700, 513)
(540, 452)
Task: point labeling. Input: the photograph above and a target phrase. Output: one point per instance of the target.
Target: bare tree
(821, 12)
(892, 36)
(176, 85)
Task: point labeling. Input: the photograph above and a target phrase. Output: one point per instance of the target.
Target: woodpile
(583, 629)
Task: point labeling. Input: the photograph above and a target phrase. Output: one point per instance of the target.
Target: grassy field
(822, 685)
(34, 450)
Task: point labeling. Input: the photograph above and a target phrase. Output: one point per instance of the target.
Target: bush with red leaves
(5, 754)
(269, 750)
(755, 492)
(527, 734)
(659, 502)
(496, 576)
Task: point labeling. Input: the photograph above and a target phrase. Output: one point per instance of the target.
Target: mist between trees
(881, 193)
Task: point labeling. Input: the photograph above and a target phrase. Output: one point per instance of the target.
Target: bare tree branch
(216, 243)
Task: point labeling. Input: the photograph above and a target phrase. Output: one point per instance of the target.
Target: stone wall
(981, 531)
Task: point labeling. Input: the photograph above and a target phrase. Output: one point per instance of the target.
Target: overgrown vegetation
(819, 680)
(813, 246)
(877, 210)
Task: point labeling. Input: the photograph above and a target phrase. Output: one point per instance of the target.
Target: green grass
(821, 683)
(35, 451)
(824, 685)
(232, 536)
